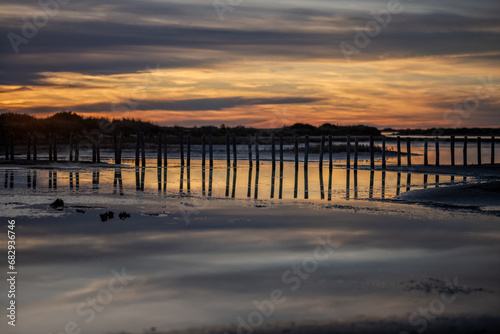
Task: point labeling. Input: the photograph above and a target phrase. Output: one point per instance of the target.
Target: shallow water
(207, 259)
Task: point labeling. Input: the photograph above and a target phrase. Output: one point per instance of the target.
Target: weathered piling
(273, 152)
(398, 140)
(203, 152)
(71, 146)
(250, 159)
(296, 142)
(181, 148)
(257, 157)
(306, 173)
(137, 149)
(159, 155)
(211, 154)
(50, 147)
(28, 148)
(330, 152)
(348, 151)
(12, 148)
(143, 153)
(228, 155)
(408, 151)
(356, 148)
(372, 153)
(437, 150)
(465, 151)
(165, 160)
(188, 160)
(426, 152)
(306, 152)
(120, 148)
(321, 152)
(54, 138)
(452, 150)
(94, 149)
(492, 150)
(384, 162)
(479, 162)
(98, 148)
(77, 149)
(281, 155)
(235, 155)
(34, 148)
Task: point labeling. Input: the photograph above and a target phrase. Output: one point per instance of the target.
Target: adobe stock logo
(30, 28)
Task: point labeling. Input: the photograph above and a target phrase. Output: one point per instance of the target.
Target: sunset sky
(253, 62)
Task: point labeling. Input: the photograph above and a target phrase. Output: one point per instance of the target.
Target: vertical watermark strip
(11, 272)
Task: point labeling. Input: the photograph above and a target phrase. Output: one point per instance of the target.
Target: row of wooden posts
(140, 151)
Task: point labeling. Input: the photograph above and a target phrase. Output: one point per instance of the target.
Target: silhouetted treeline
(63, 123)
(448, 132)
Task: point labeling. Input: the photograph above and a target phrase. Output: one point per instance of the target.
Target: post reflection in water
(372, 176)
(235, 171)
(249, 191)
(382, 195)
(256, 194)
(117, 180)
(95, 180)
(355, 184)
(228, 169)
(347, 183)
(359, 184)
(398, 187)
(273, 177)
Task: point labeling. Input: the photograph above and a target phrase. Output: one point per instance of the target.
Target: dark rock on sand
(123, 215)
(107, 216)
(58, 205)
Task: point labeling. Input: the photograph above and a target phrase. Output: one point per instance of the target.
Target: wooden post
(158, 158)
(228, 152)
(115, 143)
(28, 148)
(143, 153)
(165, 159)
(257, 159)
(408, 150)
(372, 154)
(188, 154)
(479, 151)
(492, 150)
(356, 147)
(330, 152)
(6, 152)
(50, 147)
(137, 149)
(98, 148)
(94, 149)
(71, 146)
(306, 162)
(384, 162)
(181, 148)
(465, 151)
(34, 148)
(211, 151)
(203, 151)
(452, 150)
(120, 148)
(281, 156)
(399, 150)
(321, 152)
(235, 154)
(306, 152)
(348, 151)
(250, 160)
(437, 151)
(273, 152)
(426, 152)
(296, 140)
(12, 148)
(55, 147)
